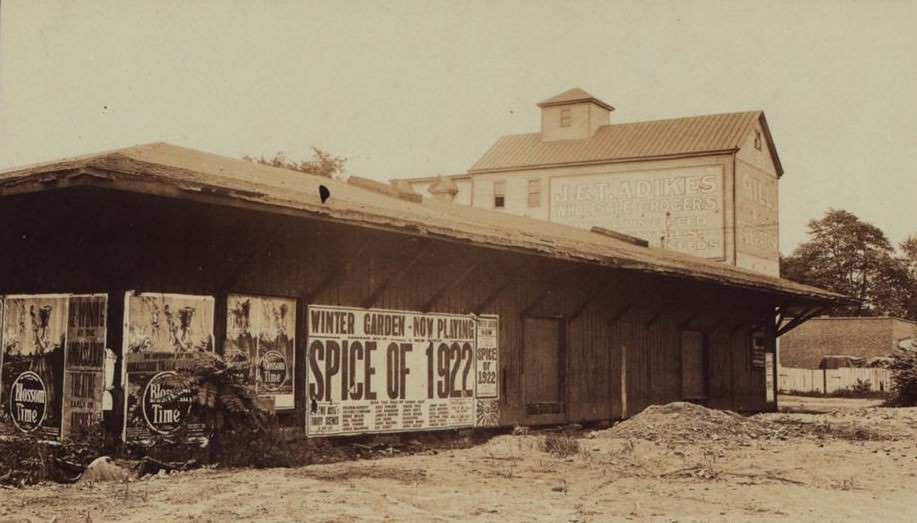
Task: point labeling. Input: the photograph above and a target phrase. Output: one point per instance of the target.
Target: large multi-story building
(702, 185)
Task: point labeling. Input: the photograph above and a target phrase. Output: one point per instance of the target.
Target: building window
(565, 117)
(757, 139)
(499, 194)
(535, 193)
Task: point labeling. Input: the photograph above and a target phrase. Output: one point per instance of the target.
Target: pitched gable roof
(571, 96)
(443, 184)
(657, 139)
(177, 172)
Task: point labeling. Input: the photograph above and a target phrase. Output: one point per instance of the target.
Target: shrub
(862, 387)
(904, 376)
(560, 445)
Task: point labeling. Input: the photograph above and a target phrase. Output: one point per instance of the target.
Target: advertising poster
(260, 341)
(487, 365)
(769, 377)
(487, 358)
(162, 334)
(34, 334)
(758, 350)
(371, 370)
(84, 362)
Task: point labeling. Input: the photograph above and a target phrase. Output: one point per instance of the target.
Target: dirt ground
(839, 460)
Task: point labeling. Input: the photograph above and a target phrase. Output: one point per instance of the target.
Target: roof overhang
(223, 181)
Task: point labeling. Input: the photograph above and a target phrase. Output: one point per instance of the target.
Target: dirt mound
(104, 469)
(682, 422)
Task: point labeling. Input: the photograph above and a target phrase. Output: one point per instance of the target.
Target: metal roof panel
(653, 139)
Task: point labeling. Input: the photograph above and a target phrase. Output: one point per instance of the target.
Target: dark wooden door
(693, 365)
(543, 362)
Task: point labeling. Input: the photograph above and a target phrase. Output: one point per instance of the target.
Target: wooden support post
(536, 302)
(614, 318)
(589, 301)
(780, 317)
(397, 274)
(735, 328)
(648, 324)
(452, 284)
(335, 275)
(253, 254)
(799, 320)
(548, 290)
(683, 324)
(514, 277)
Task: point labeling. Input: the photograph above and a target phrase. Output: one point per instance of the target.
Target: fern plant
(221, 400)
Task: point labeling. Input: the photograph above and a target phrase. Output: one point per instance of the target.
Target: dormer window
(565, 117)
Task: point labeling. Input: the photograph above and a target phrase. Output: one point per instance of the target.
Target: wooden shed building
(366, 311)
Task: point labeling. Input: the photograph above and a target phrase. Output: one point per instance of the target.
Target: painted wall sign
(34, 336)
(260, 339)
(757, 214)
(162, 334)
(372, 370)
(678, 208)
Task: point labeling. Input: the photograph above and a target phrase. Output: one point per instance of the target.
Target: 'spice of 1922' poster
(372, 370)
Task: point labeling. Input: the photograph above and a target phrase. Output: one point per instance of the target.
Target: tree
(854, 258)
(322, 163)
(909, 248)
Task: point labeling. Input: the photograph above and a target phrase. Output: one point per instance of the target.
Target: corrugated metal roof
(625, 141)
(186, 173)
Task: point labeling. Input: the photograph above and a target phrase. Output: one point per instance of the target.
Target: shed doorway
(693, 366)
(543, 366)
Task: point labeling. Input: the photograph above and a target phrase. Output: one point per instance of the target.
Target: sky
(416, 88)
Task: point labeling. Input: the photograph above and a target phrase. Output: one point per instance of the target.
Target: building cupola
(572, 115)
(443, 189)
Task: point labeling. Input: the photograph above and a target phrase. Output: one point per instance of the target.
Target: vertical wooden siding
(113, 242)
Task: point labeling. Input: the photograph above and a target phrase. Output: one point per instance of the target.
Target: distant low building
(702, 185)
(829, 337)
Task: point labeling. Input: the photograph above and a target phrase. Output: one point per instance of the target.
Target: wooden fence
(832, 380)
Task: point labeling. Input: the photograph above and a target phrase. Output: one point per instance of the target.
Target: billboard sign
(260, 341)
(33, 362)
(163, 332)
(373, 370)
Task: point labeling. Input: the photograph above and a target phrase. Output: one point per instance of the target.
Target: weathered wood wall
(92, 240)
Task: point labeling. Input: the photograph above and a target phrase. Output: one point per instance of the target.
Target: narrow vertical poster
(34, 334)
(260, 341)
(84, 362)
(769, 376)
(162, 334)
(487, 368)
(487, 362)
